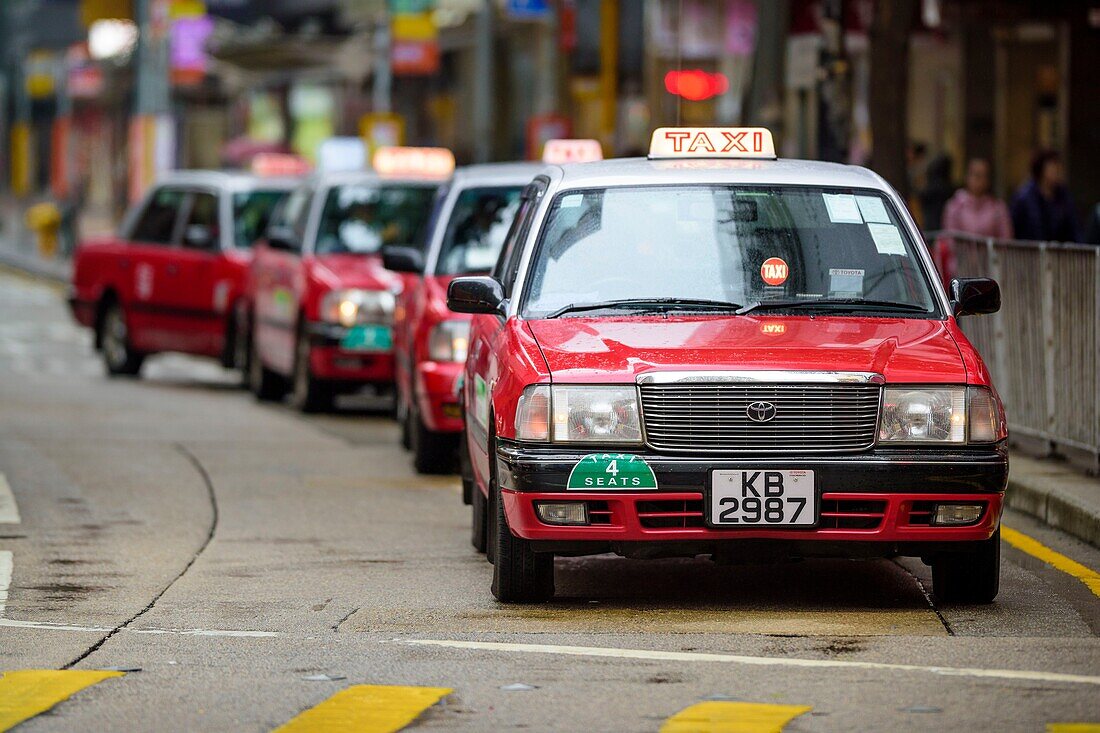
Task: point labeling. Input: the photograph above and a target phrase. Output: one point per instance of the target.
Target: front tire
(265, 384)
(433, 453)
(479, 514)
(969, 577)
(308, 394)
(119, 357)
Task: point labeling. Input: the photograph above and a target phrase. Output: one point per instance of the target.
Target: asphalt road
(245, 564)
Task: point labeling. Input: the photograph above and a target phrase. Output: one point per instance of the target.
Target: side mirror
(199, 236)
(975, 295)
(403, 259)
(476, 295)
(282, 238)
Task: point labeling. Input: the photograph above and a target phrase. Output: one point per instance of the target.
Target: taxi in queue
(471, 218)
(321, 303)
(172, 278)
(711, 351)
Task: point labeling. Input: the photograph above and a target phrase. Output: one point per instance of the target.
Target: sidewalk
(17, 246)
(1057, 494)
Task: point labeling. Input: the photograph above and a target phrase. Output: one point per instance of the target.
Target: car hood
(620, 349)
(354, 271)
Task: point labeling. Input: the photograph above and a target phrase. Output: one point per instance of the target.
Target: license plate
(368, 337)
(762, 497)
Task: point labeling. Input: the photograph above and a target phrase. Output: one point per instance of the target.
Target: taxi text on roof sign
(399, 162)
(711, 142)
(558, 151)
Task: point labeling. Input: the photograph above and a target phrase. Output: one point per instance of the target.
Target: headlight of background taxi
(448, 341)
(940, 415)
(579, 414)
(349, 307)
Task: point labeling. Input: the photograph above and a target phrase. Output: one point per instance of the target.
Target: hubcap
(114, 338)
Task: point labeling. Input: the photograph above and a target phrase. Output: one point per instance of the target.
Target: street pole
(484, 84)
(609, 71)
(152, 134)
(381, 89)
(835, 88)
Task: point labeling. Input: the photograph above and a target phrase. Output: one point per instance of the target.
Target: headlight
(349, 307)
(923, 415)
(579, 414)
(448, 341)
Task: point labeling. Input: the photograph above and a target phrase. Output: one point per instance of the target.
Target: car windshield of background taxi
(678, 329)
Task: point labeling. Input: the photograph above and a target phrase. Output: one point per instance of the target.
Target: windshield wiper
(648, 303)
(846, 303)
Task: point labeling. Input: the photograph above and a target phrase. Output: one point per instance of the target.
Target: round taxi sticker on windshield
(774, 271)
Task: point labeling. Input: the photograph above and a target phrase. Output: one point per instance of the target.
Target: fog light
(565, 513)
(955, 514)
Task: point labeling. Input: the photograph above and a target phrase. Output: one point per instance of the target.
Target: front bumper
(437, 396)
(328, 360)
(882, 500)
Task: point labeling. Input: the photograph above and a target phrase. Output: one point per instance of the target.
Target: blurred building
(212, 82)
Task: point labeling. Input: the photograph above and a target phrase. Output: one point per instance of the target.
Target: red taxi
(321, 302)
(173, 276)
(715, 352)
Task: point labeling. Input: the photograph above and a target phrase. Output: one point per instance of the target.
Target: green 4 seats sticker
(611, 471)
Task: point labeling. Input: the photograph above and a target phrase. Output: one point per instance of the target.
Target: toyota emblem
(760, 411)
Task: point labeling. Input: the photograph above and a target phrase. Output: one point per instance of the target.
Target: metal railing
(1043, 347)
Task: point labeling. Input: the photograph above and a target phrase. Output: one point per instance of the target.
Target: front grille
(712, 417)
(670, 513)
(851, 514)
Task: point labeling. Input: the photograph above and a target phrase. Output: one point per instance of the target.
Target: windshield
(476, 230)
(362, 218)
(759, 247)
(251, 213)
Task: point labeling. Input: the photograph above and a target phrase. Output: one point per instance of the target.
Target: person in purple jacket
(974, 210)
(1042, 209)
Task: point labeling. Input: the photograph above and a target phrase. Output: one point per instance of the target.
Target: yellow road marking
(26, 693)
(366, 709)
(1033, 547)
(1073, 727)
(733, 717)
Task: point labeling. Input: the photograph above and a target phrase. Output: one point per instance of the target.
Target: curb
(1055, 508)
(56, 271)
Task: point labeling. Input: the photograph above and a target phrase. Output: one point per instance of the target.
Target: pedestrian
(936, 192)
(974, 210)
(1043, 209)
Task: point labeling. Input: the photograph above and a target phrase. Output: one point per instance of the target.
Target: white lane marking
(6, 565)
(49, 626)
(9, 511)
(591, 651)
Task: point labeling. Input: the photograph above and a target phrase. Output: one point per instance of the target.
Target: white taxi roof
(345, 178)
(229, 180)
(496, 174)
(696, 171)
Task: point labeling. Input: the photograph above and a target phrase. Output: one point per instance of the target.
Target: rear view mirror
(402, 259)
(476, 295)
(282, 237)
(199, 236)
(975, 295)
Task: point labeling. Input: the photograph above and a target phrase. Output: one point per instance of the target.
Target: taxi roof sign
(564, 150)
(711, 142)
(401, 162)
(272, 165)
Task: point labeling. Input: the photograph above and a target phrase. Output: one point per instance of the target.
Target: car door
(276, 266)
(147, 268)
(486, 331)
(194, 315)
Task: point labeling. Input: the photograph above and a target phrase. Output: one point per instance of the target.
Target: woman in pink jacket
(972, 210)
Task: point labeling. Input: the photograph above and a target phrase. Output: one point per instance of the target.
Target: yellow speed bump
(26, 693)
(733, 717)
(1033, 547)
(366, 709)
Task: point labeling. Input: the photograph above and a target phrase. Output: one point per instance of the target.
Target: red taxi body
(173, 277)
(617, 399)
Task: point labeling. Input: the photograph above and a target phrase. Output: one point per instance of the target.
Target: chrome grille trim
(709, 417)
(761, 376)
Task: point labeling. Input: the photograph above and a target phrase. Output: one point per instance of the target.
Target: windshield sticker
(842, 208)
(572, 201)
(599, 471)
(774, 271)
(845, 281)
(887, 239)
(873, 210)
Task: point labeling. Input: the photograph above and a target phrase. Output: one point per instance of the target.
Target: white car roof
(228, 180)
(341, 178)
(642, 171)
(496, 174)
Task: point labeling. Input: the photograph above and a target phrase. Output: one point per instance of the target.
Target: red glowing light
(696, 84)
